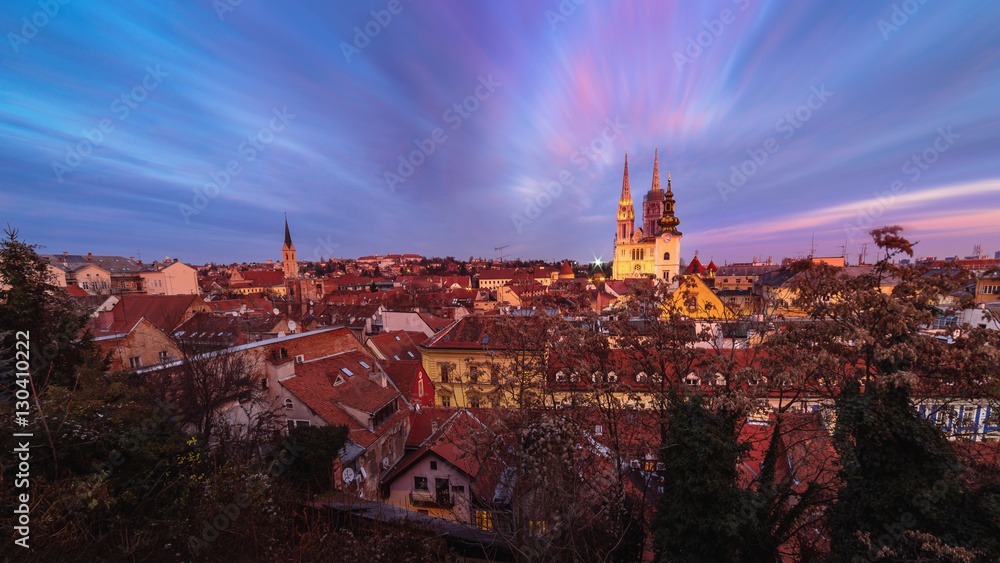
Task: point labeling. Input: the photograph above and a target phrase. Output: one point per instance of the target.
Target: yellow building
(468, 370)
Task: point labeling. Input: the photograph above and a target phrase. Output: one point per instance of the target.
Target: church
(653, 250)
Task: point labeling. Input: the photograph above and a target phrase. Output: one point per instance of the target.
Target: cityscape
(576, 281)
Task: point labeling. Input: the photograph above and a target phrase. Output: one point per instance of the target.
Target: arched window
(666, 256)
(288, 404)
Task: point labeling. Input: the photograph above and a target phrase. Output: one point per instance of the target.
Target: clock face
(666, 237)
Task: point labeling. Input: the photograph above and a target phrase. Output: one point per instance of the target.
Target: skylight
(364, 365)
(347, 371)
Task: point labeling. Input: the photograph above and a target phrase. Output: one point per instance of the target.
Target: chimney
(65, 257)
(176, 259)
(90, 257)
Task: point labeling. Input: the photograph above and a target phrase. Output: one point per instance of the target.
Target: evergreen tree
(700, 452)
(54, 322)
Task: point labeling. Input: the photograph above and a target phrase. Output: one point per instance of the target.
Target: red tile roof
(264, 278)
(164, 311)
(395, 345)
(314, 383)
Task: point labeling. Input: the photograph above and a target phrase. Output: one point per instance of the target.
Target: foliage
(56, 324)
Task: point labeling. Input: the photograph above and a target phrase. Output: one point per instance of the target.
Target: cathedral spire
(626, 192)
(288, 236)
(656, 170)
(626, 212)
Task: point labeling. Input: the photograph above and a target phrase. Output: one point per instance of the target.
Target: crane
(500, 248)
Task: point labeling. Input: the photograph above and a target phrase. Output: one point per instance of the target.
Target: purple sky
(312, 108)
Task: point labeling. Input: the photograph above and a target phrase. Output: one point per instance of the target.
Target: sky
(189, 129)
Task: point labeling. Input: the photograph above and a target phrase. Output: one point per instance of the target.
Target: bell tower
(652, 203)
(626, 213)
(668, 240)
(288, 261)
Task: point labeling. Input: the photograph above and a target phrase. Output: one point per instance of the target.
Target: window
(445, 371)
(364, 365)
(474, 374)
(85, 285)
(666, 256)
(560, 377)
(347, 371)
(445, 401)
(293, 423)
(420, 483)
(135, 362)
(164, 356)
(434, 465)
(288, 404)
(458, 489)
(692, 304)
(299, 359)
(483, 520)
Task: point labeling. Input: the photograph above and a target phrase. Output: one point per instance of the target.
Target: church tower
(668, 240)
(288, 261)
(652, 203)
(626, 213)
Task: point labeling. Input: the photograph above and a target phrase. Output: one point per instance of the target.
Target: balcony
(441, 499)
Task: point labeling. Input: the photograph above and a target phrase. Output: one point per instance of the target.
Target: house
(143, 345)
(349, 388)
(410, 378)
(444, 476)
(396, 345)
(169, 278)
(96, 274)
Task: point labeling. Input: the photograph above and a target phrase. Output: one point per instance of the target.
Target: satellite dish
(275, 311)
(348, 474)
(310, 302)
(385, 463)
(291, 325)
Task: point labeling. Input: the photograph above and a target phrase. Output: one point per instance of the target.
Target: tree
(862, 351)
(700, 452)
(219, 394)
(319, 445)
(55, 323)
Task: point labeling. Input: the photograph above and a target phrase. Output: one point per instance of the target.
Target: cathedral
(652, 250)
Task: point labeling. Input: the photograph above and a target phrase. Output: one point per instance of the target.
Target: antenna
(812, 245)
(500, 248)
